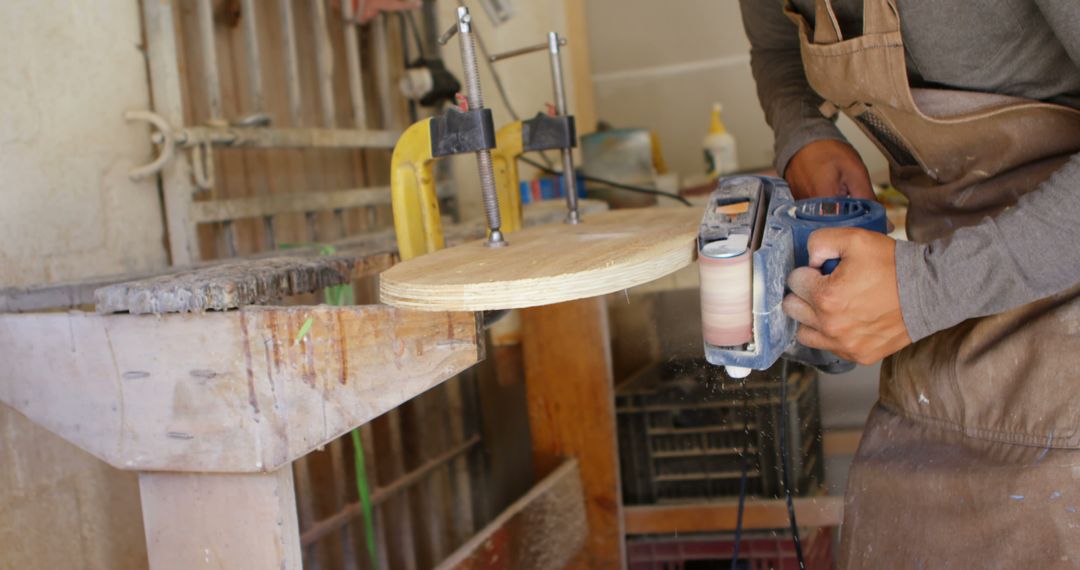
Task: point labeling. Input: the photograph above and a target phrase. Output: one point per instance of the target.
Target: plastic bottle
(720, 156)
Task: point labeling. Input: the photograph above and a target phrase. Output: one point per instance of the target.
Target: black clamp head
(544, 132)
(462, 132)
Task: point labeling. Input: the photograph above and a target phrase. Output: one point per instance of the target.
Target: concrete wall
(661, 65)
(68, 70)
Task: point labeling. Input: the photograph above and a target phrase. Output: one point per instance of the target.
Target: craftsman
(970, 457)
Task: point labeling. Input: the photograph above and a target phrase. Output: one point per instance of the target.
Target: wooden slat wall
(421, 525)
(243, 173)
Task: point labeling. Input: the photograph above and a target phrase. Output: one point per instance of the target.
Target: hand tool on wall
(753, 234)
(458, 131)
(542, 132)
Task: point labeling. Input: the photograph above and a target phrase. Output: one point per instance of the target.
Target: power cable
(612, 183)
(784, 474)
(416, 34)
(402, 21)
(743, 477)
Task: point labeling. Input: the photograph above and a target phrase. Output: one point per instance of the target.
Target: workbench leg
(567, 353)
(196, 520)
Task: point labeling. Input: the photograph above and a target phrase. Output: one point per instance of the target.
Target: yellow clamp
(508, 147)
(412, 193)
(417, 221)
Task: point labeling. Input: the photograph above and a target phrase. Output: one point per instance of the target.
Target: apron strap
(826, 26)
(880, 17)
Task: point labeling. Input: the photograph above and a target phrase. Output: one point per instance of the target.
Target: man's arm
(811, 153)
(1027, 253)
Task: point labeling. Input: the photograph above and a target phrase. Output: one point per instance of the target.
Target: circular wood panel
(607, 252)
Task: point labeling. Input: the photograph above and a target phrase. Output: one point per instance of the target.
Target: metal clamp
(467, 42)
(553, 47)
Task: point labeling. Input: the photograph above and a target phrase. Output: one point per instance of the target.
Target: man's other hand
(828, 168)
(854, 311)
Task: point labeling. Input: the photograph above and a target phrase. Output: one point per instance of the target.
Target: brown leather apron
(970, 459)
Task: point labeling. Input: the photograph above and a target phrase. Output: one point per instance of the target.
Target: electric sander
(753, 234)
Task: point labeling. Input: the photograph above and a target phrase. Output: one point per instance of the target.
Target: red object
(367, 10)
(462, 102)
(757, 551)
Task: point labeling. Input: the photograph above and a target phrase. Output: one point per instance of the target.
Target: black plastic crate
(681, 432)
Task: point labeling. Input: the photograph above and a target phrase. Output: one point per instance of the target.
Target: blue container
(547, 188)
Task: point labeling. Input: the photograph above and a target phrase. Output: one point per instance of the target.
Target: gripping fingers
(804, 282)
(801, 311)
(814, 338)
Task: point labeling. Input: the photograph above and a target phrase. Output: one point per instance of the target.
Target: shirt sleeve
(1029, 252)
(1026, 253)
(791, 106)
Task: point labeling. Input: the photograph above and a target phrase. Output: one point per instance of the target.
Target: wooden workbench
(211, 406)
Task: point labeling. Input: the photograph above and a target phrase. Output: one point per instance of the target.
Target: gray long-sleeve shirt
(1025, 48)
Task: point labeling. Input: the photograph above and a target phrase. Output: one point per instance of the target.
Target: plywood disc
(607, 252)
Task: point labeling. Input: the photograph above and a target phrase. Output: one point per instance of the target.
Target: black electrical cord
(612, 183)
(743, 477)
(784, 475)
(415, 33)
(413, 114)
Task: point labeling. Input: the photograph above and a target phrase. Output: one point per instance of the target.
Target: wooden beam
(236, 391)
(543, 530)
(566, 350)
(292, 202)
(81, 294)
(165, 84)
(220, 521)
(259, 137)
(720, 516)
(841, 441)
(577, 34)
(235, 283)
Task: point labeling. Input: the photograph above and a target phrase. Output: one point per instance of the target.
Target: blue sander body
(755, 218)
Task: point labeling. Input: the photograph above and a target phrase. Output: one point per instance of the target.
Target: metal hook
(168, 144)
(202, 165)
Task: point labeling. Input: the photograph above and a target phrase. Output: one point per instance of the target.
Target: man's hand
(828, 168)
(855, 311)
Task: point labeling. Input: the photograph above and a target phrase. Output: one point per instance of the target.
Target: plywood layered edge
(224, 392)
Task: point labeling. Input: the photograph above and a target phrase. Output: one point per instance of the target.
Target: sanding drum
(726, 274)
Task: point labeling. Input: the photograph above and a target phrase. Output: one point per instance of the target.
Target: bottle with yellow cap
(720, 156)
